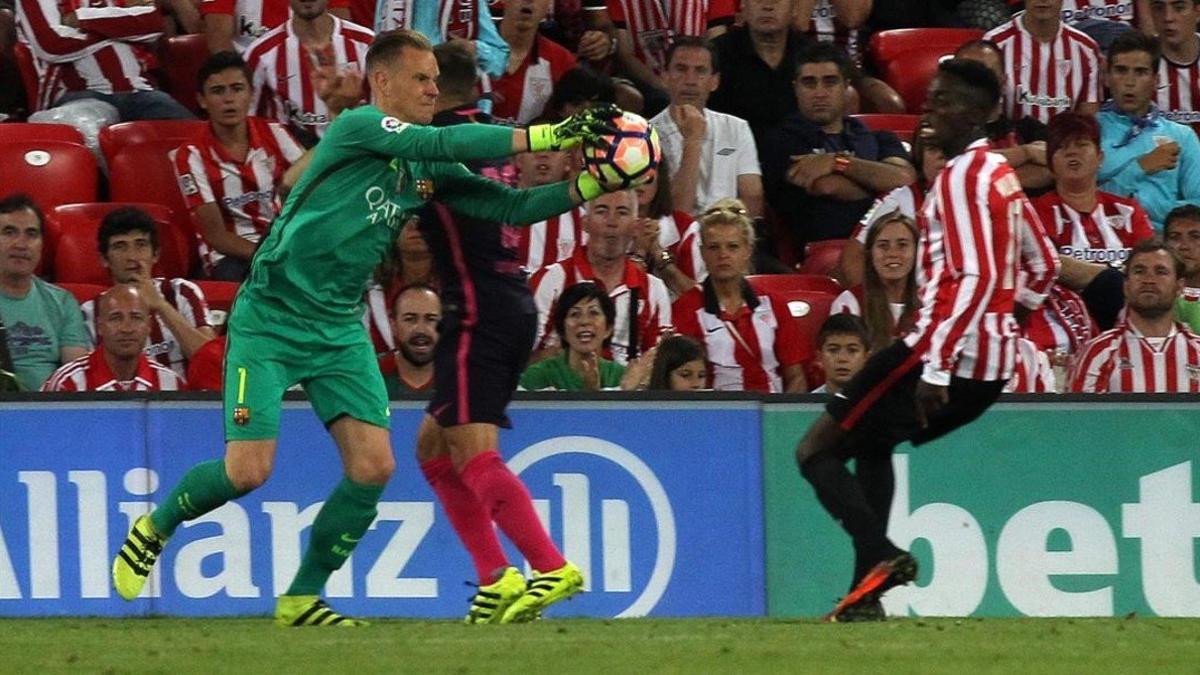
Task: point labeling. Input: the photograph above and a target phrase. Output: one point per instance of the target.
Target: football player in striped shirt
(1149, 350)
(976, 228)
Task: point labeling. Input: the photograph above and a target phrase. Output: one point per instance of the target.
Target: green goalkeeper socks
(341, 522)
(203, 488)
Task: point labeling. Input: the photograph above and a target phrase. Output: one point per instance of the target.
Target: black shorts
(878, 406)
(476, 368)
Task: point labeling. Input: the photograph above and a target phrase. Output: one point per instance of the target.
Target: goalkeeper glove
(587, 126)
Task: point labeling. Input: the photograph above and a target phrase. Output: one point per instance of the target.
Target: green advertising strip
(1037, 509)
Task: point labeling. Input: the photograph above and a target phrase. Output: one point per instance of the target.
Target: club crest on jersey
(392, 125)
(424, 188)
(241, 415)
(1193, 372)
(188, 184)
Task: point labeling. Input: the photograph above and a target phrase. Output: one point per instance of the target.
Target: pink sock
(505, 498)
(467, 516)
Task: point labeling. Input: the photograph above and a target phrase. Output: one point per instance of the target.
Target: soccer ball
(633, 153)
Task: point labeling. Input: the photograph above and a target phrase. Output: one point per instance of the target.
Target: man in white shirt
(709, 155)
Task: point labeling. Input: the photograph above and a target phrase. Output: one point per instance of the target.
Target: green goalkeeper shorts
(270, 350)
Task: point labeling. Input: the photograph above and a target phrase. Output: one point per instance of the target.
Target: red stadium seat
(83, 292)
(77, 258)
(27, 68)
(907, 59)
(808, 305)
(888, 44)
(116, 137)
(40, 131)
(51, 172)
(901, 125)
(182, 56)
(218, 294)
(822, 257)
(783, 284)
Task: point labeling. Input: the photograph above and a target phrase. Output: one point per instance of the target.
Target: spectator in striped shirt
(556, 238)
(887, 298)
(842, 350)
(100, 50)
(235, 24)
(535, 63)
(751, 341)
(1149, 350)
(119, 362)
(232, 174)
(1182, 233)
(1146, 156)
(975, 229)
(1178, 94)
(668, 240)
(128, 241)
(643, 303)
(1105, 20)
(1020, 141)
(1050, 67)
(291, 63)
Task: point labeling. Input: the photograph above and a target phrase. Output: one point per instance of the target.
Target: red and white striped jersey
(377, 319)
(1032, 372)
(252, 18)
(1062, 323)
(652, 24)
(1124, 11)
(851, 301)
(746, 351)
(1178, 95)
(92, 373)
(654, 303)
(551, 240)
(246, 189)
(1046, 78)
(824, 27)
(1124, 361)
(1103, 236)
(520, 96)
(687, 251)
(907, 199)
(111, 50)
(161, 346)
(977, 227)
(282, 68)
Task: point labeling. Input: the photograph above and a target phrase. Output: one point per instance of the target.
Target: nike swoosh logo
(710, 331)
(350, 540)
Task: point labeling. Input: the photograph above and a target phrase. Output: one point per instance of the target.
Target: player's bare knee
(375, 468)
(248, 473)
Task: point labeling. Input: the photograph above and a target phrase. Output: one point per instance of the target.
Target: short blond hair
(728, 211)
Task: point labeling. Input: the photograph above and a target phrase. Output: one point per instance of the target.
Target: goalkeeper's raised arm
(402, 73)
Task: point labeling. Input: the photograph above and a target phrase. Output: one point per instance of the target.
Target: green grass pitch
(969, 646)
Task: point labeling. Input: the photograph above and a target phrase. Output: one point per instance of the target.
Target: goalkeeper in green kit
(297, 318)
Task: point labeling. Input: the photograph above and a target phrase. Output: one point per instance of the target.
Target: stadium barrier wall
(1047, 509)
(629, 490)
(1054, 507)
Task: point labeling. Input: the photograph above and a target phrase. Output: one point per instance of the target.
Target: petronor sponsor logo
(1098, 255)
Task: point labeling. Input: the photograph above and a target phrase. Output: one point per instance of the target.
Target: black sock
(877, 479)
(840, 494)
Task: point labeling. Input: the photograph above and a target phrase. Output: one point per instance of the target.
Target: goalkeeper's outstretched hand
(590, 187)
(587, 126)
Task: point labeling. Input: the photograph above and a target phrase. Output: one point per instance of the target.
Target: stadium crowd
(775, 249)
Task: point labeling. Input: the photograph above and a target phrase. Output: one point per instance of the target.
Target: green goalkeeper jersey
(370, 172)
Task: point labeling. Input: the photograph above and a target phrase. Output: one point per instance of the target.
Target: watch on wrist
(664, 259)
(841, 163)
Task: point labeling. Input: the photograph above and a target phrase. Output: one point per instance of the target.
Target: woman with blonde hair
(751, 342)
